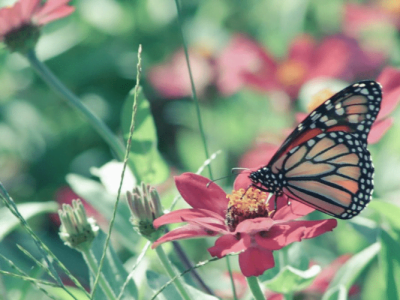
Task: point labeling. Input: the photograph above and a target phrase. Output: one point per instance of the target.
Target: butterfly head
(268, 180)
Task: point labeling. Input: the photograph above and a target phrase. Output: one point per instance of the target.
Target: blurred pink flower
(321, 282)
(21, 20)
(245, 62)
(370, 24)
(171, 79)
(243, 222)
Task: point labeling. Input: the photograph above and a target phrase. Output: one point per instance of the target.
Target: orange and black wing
(331, 172)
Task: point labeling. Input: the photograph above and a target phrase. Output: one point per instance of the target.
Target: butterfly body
(324, 162)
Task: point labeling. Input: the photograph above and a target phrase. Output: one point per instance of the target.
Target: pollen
(244, 205)
(319, 98)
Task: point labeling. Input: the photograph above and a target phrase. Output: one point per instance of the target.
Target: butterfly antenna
(236, 171)
(212, 181)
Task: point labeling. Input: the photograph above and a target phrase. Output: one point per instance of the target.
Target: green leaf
(156, 281)
(28, 210)
(113, 269)
(145, 159)
(95, 193)
(348, 273)
(338, 293)
(390, 263)
(290, 279)
(390, 211)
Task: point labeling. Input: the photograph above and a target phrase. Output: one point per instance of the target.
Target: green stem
(194, 94)
(92, 264)
(167, 265)
(255, 288)
(75, 102)
(228, 265)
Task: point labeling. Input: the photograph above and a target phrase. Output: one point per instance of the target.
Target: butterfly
(324, 163)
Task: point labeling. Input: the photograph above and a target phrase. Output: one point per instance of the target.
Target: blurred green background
(94, 53)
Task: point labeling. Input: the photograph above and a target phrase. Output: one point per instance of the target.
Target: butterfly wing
(331, 172)
(353, 110)
(324, 162)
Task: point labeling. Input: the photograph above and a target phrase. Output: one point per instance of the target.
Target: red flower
(21, 21)
(245, 223)
(172, 80)
(244, 62)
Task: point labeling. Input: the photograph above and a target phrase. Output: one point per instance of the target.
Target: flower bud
(145, 206)
(77, 230)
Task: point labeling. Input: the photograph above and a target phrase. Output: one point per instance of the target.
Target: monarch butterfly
(324, 163)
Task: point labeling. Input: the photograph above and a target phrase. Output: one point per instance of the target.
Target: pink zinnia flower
(19, 24)
(246, 63)
(171, 79)
(244, 223)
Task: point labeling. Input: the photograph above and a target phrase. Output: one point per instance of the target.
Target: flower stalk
(255, 288)
(93, 266)
(57, 86)
(171, 273)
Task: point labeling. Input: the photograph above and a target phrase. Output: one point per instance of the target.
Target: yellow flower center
(291, 73)
(244, 205)
(319, 98)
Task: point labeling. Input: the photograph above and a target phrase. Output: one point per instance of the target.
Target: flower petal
(281, 235)
(229, 244)
(254, 261)
(293, 211)
(252, 226)
(389, 102)
(379, 129)
(177, 216)
(209, 224)
(57, 14)
(185, 232)
(194, 190)
(389, 79)
(243, 181)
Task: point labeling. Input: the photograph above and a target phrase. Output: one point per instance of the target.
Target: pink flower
(370, 25)
(390, 81)
(172, 80)
(244, 62)
(244, 223)
(21, 21)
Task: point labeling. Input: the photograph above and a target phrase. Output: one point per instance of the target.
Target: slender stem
(255, 288)
(182, 255)
(75, 102)
(167, 265)
(199, 120)
(194, 94)
(228, 266)
(126, 158)
(92, 264)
